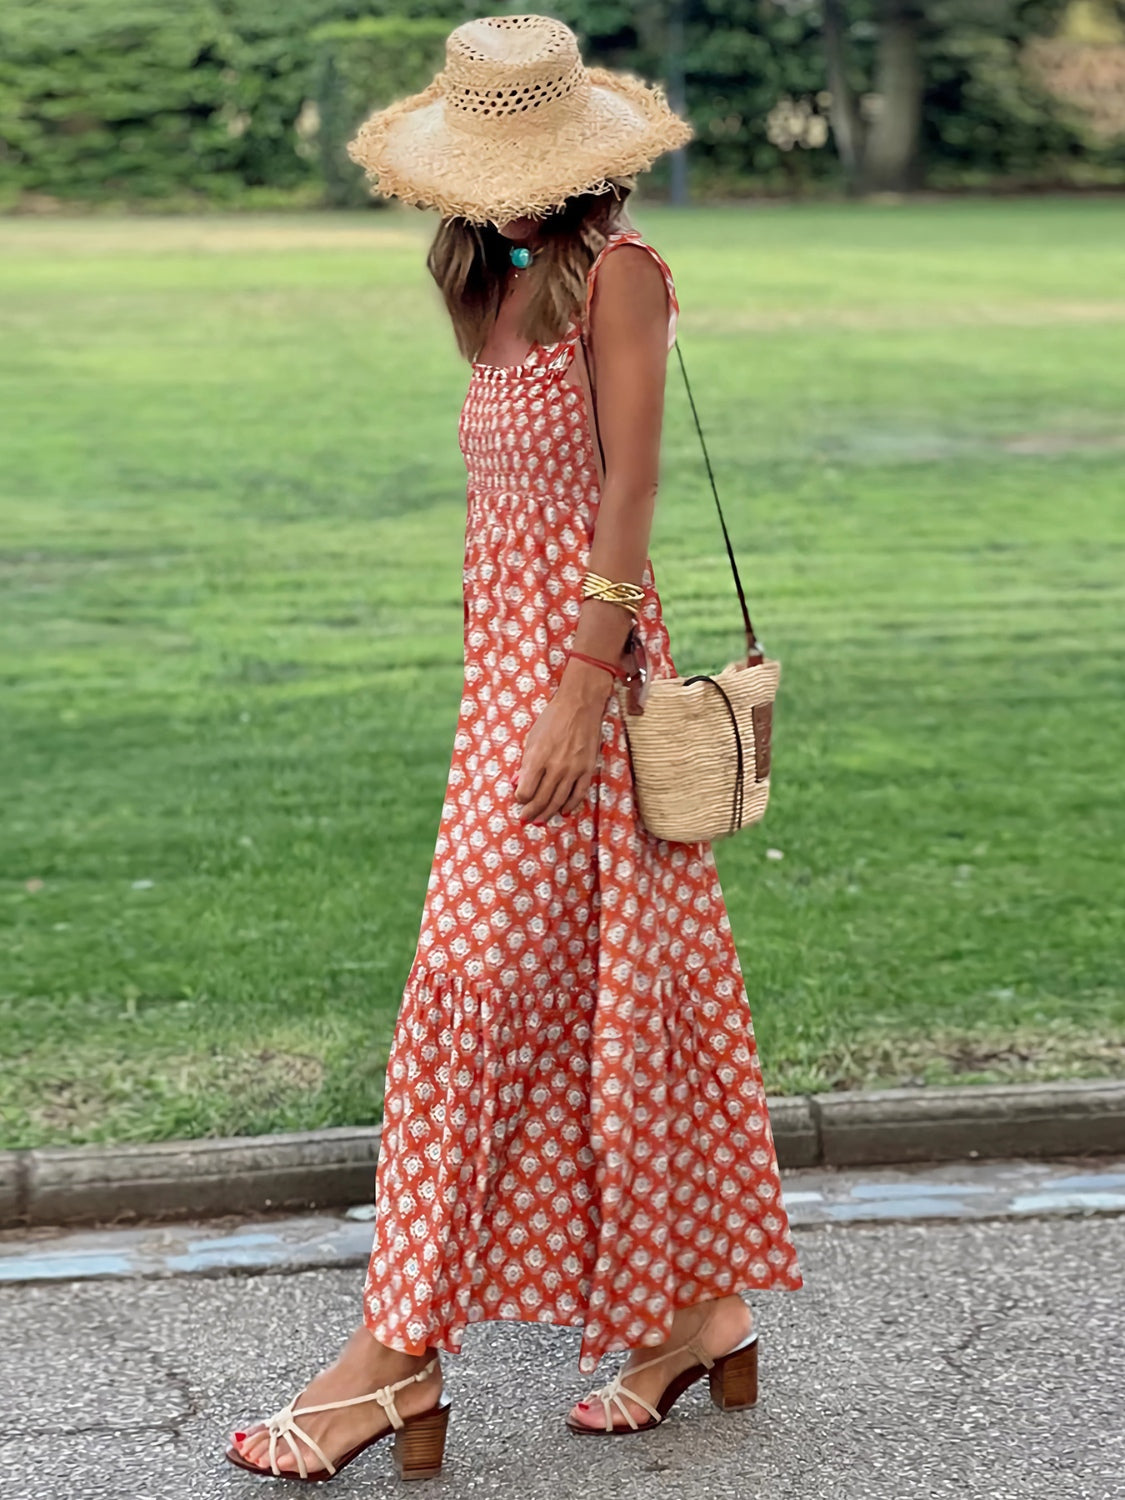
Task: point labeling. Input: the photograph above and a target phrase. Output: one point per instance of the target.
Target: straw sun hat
(514, 125)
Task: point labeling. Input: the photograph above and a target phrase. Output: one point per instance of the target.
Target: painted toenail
(240, 1437)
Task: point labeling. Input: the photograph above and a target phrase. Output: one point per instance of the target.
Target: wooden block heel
(420, 1444)
(734, 1377)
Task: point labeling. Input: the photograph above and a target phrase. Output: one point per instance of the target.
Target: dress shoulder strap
(633, 237)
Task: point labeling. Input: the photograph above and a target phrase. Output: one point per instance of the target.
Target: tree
(880, 147)
(890, 160)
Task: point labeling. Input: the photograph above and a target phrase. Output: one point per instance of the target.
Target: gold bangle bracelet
(628, 595)
(630, 608)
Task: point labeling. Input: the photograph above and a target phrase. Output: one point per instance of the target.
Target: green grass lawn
(231, 530)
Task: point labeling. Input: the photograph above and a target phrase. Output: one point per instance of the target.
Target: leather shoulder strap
(583, 365)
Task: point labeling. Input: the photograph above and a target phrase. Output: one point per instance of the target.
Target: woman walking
(576, 1130)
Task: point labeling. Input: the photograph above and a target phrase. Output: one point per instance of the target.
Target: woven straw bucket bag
(700, 745)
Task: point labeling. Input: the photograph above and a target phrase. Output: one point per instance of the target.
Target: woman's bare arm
(629, 342)
(629, 338)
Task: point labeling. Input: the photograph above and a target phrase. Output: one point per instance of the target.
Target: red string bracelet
(596, 661)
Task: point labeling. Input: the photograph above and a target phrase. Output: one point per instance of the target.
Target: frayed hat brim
(415, 150)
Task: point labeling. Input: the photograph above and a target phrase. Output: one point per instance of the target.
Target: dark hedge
(220, 100)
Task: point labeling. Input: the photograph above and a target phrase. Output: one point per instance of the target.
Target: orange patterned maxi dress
(575, 1128)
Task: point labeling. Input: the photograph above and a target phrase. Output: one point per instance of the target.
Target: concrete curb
(194, 1179)
(951, 1124)
(333, 1168)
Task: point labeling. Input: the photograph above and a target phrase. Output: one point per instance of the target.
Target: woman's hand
(560, 753)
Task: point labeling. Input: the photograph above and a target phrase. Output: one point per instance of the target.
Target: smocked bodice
(524, 429)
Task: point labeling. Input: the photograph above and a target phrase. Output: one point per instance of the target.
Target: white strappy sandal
(419, 1440)
(733, 1382)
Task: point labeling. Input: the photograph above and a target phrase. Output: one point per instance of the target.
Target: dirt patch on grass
(1046, 444)
(74, 1107)
(78, 237)
(907, 444)
(912, 317)
(950, 1057)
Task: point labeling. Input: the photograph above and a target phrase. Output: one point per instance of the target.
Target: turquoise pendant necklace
(520, 256)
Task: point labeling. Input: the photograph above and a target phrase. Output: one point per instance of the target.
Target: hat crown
(504, 72)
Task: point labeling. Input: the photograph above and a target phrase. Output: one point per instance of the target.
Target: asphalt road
(964, 1358)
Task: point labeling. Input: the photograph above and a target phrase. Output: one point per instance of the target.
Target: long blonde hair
(470, 262)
